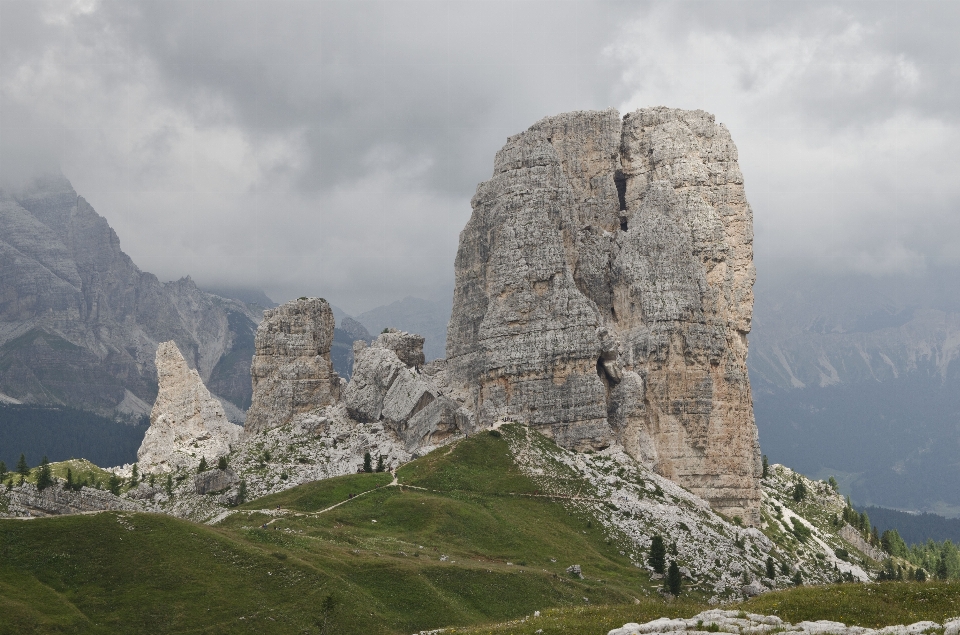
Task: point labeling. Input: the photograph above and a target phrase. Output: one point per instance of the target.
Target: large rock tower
(604, 292)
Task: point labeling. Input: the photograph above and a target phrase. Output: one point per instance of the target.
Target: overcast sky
(331, 148)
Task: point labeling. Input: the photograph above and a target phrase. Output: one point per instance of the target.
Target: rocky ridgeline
(26, 500)
(186, 422)
(604, 294)
(738, 622)
(716, 556)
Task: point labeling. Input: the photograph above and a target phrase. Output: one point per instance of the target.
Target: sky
(332, 148)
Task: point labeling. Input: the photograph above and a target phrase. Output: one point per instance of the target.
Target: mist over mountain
(428, 318)
(855, 376)
(80, 322)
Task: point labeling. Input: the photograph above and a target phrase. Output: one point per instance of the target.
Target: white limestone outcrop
(186, 422)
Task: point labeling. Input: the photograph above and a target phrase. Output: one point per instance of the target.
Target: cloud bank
(331, 148)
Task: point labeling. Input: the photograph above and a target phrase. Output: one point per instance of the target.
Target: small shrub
(203, 465)
(495, 434)
(222, 463)
(842, 553)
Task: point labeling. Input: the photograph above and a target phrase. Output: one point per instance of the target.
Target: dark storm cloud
(332, 148)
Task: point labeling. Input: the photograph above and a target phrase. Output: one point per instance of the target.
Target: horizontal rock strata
(291, 370)
(604, 293)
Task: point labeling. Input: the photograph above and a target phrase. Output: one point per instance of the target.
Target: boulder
(215, 480)
(186, 422)
(604, 294)
(291, 370)
(390, 384)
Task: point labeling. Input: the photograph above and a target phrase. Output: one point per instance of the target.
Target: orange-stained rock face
(604, 293)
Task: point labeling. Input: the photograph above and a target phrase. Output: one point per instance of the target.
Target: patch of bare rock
(717, 620)
(186, 422)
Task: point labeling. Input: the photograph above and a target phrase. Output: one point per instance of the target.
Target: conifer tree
(22, 468)
(135, 476)
(798, 578)
(921, 575)
(44, 477)
(203, 465)
(115, 484)
(69, 482)
(799, 491)
(658, 554)
(367, 463)
(380, 466)
(766, 467)
(674, 580)
(771, 572)
(222, 463)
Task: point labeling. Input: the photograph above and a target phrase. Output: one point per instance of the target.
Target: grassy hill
(392, 559)
(462, 539)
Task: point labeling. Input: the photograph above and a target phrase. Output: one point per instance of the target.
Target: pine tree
(798, 578)
(921, 575)
(784, 568)
(44, 477)
(799, 491)
(766, 467)
(380, 466)
(834, 485)
(771, 572)
(22, 468)
(203, 465)
(658, 554)
(115, 484)
(135, 477)
(674, 580)
(367, 462)
(222, 463)
(942, 573)
(69, 482)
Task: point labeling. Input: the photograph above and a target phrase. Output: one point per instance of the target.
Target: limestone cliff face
(604, 293)
(291, 368)
(80, 322)
(187, 422)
